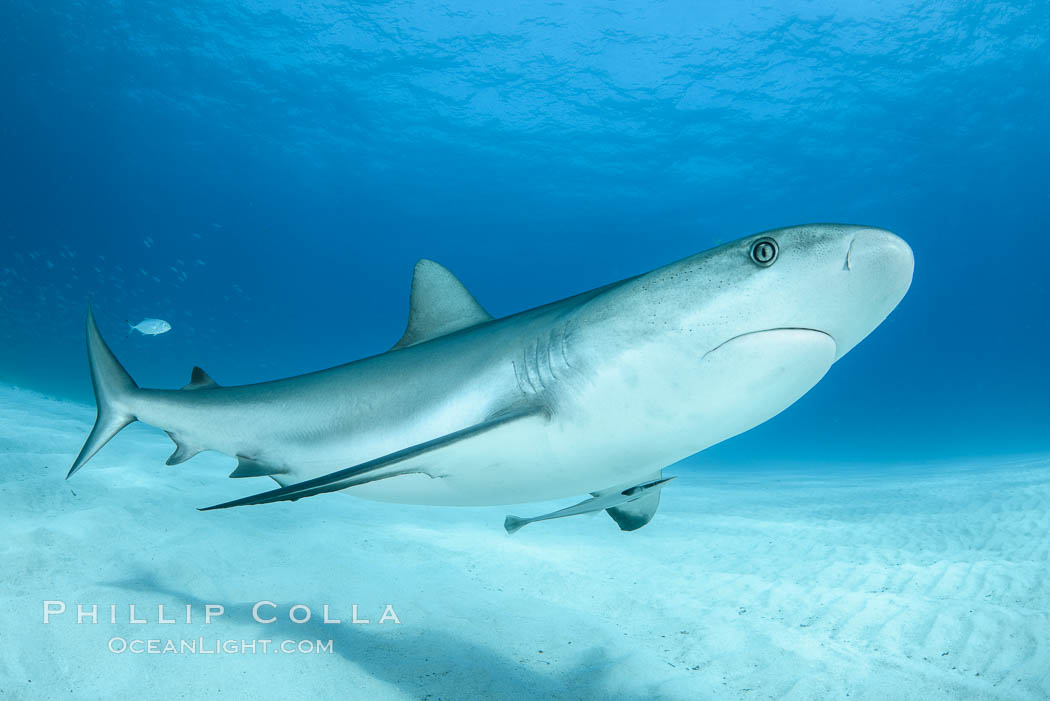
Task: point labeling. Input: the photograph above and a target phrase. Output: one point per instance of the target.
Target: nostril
(848, 252)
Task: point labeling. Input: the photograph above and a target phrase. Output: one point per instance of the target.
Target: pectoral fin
(402, 462)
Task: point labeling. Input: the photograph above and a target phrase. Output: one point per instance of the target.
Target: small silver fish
(150, 327)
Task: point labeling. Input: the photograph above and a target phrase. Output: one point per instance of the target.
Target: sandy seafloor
(924, 581)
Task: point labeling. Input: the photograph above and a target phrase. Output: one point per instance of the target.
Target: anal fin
(183, 452)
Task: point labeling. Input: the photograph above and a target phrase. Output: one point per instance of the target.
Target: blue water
(264, 175)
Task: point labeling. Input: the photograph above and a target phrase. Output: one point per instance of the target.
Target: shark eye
(764, 251)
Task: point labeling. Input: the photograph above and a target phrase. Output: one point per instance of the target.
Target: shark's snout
(877, 251)
(876, 273)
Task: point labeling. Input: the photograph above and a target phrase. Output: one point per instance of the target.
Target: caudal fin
(113, 390)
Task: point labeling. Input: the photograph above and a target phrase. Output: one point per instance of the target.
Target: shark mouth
(773, 330)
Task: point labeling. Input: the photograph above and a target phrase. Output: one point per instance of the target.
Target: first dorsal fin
(438, 304)
(200, 380)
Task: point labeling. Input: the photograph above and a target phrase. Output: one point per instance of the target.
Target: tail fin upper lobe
(113, 388)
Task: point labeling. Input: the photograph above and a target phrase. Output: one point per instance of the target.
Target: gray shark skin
(594, 393)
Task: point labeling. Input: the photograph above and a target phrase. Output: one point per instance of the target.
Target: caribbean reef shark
(595, 393)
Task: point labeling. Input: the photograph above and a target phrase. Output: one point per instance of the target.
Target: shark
(594, 394)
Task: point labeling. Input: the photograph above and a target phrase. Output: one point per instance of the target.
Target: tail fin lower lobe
(113, 388)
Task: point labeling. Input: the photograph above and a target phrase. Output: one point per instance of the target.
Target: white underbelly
(512, 464)
(632, 419)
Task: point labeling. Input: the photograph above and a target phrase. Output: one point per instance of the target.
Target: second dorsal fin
(200, 380)
(438, 304)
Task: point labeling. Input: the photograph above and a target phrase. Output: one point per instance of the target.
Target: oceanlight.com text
(217, 646)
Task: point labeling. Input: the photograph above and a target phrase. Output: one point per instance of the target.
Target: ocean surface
(264, 175)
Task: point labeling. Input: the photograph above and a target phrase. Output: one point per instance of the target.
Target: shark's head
(839, 280)
(750, 326)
